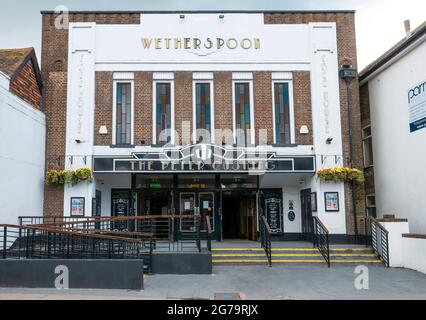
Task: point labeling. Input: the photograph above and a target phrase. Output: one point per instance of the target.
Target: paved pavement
(256, 282)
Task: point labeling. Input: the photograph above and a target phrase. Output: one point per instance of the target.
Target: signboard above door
(204, 158)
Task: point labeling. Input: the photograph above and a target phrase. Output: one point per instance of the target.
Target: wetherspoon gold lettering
(197, 44)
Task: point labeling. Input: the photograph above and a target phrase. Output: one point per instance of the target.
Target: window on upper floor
(163, 112)
(282, 114)
(243, 113)
(367, 146)
(203, 111)
(123, 113)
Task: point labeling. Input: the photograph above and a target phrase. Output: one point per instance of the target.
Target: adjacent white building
(22, 136)
(393, 103)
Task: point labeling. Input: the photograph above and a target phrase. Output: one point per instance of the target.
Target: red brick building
(224, 114)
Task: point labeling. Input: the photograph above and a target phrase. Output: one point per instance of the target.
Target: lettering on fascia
(80, 99)
(200, 44)
(325, 93)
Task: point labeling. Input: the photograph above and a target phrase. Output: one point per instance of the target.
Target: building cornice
(202, 11)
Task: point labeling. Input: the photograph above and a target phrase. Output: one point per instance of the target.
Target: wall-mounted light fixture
(103, 130)
(221, 16)
(182, 17)
(304, 130)
(329, 140)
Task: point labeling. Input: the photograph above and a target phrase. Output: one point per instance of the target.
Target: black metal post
(48, 245)
(198, 227)
(4, 241)
(328, 250)
(347, 73)
(314, 235)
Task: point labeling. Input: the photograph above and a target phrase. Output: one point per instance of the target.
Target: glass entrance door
(206, 205)
(196, 203)
(187, 208)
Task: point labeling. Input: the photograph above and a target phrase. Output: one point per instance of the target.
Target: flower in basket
(341, 174)
(70, 177)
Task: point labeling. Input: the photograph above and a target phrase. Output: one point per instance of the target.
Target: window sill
(159, 145)
(122, 146)
(291, 145)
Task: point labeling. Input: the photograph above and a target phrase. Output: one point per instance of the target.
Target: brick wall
(25, 86)
(345, 24)
(364, 96)
(262, 86)
(103, 107)
(302, 106)
(143, 107)
(183, 104)
(223, 102)
(54, 65)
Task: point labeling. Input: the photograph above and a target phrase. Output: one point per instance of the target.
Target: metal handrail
(64, 231)
(162, 228)
(380, 240)
(209, 233)
(84, 220)
(29, 242)
(265, 238)
(321, 239)
(126, 234)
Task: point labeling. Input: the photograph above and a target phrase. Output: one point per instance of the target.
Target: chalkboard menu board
(273, 212)
(120, 208)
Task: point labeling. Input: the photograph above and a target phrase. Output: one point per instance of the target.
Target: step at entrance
(308, 256)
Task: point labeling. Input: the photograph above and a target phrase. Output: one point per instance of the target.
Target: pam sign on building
(417, 107)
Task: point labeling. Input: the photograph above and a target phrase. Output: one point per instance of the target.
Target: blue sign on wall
(417, 107)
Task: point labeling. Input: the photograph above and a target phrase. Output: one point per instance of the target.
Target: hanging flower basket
(69, 177)
(341, 175)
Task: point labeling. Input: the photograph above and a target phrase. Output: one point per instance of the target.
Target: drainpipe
(348, 74)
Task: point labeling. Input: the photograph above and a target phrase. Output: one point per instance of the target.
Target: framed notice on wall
(331, 200)
(77, 207)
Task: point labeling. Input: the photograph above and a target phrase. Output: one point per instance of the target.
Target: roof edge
(199, 11)
(33, 57)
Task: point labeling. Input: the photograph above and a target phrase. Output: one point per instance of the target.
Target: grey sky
(379, 22)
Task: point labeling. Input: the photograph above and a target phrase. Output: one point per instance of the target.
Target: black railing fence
(380, 240)
(161, 229)
(31, 242)
(321, 239)
(265, 238)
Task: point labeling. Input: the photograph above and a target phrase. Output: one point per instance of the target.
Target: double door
(193, 203)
